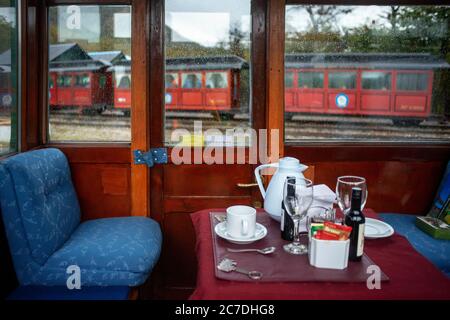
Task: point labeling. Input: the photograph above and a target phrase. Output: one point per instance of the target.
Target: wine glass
(344, 187)
(297, 198)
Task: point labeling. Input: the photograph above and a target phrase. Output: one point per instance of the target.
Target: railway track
(300, 127)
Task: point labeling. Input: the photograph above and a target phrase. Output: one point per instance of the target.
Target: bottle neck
(356, 200)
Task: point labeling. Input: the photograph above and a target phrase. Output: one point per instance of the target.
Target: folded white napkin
(323, 195)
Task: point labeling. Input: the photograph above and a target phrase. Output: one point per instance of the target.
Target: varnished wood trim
(275, 69)
(88, 2)
(156, 89)
(140, 135)
(43, 71)
(333, 152)
(98, 154)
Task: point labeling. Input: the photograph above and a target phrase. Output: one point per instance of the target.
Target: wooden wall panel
(210, 180)
(103, 189)
(102, 178)
(403, 187)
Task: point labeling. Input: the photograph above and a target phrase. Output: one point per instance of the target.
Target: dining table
(411, 275)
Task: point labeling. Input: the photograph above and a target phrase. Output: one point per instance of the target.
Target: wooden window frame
(268, 33)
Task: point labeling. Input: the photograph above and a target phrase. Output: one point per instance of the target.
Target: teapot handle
(258, 176)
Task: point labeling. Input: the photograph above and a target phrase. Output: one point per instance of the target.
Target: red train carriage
(121, 72)
(397, 85)
(5, 87)
(5, 80)
(76, 80)
(80, 84)
(204, 83)
(201, 84)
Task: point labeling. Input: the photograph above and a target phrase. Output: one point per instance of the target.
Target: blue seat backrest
(39, 206)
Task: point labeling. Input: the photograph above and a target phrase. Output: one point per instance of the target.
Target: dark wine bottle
(355, 219)
(286, 223)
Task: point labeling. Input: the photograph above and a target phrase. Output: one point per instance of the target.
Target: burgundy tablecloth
(281, 266)
(411, 275)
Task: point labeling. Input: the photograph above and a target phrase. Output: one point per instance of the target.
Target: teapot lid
(289, 162)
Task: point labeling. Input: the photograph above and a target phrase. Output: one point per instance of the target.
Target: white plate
(375, 229)
(221, 231)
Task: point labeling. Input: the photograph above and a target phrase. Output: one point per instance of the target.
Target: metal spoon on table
(267, 250)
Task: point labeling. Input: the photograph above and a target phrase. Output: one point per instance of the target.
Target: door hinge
(155, 155)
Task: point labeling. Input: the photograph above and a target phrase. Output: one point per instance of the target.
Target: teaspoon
(267, 250)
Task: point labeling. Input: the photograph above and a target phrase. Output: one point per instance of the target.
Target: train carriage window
(289, 79)
(64, 81)
(205, 58)
(216, 80)
(412, 81)
(87, 46)
(9, 76)
(312, 80)
(342, 80)
(82, 81)
(372, 80)
(171, 80)
(191, 80)
(387, 73)
(124, 82)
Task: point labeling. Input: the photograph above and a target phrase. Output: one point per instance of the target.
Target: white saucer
(221, 231)
(375, 229)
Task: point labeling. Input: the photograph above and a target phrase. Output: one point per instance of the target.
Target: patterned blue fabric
(41, 216)
(46, 199)
(437, 251)
(110, 251)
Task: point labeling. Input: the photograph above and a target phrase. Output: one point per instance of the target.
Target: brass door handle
(247, 185)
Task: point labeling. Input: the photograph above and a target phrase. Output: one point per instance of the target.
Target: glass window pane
(342, 80)
(412, 81)
(372, 80)
(386, 73)
(89, 73)
(216, 80)
(288, 79)
(8, 77)
(191, 80)
(171, 80)
(207, 76)
(310, 80)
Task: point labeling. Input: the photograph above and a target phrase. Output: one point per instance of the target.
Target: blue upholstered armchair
(41, 215)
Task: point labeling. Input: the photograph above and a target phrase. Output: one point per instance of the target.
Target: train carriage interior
(224, 150)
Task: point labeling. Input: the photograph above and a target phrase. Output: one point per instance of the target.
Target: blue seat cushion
(62, 293)
(110, 251)
(437, 251)
(36, 191)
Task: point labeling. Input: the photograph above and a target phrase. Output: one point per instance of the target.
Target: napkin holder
(328, 254)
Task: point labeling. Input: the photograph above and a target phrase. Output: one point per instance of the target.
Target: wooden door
(169, 193)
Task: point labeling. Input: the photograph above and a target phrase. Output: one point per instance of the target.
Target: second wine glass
(297, 198)
(344, 187)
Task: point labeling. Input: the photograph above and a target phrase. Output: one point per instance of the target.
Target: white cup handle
(244, 227)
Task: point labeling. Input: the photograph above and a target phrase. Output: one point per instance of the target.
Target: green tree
(6, 33)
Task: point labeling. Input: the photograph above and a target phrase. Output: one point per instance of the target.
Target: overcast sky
(360, 15)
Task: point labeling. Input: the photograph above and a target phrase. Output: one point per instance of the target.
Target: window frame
(155, 37)
(347, 144)
(42, 24)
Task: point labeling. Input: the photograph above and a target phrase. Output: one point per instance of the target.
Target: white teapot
(286, 167)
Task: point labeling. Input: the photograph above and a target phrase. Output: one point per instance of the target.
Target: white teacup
(241, 221)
